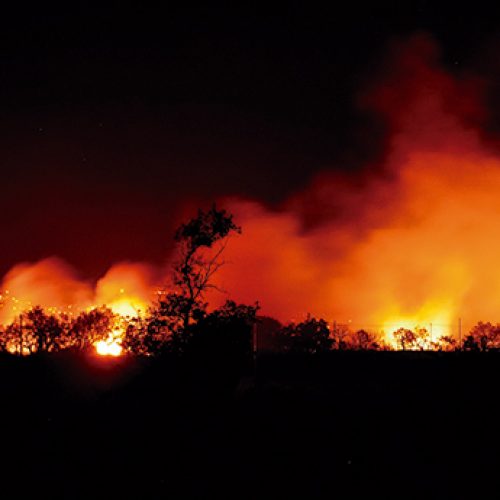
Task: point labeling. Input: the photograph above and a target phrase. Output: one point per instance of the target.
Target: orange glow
(124, 308)
(411, 241)
(128, 308)
(110, 347)
(127, 289)
(50, 282)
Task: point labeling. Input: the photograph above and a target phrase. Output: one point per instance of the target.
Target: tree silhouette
(423, 339)
(482, 337)
(12, 339)
(363, 340)
(145, 336)
(446, 343)
(267, 334)
(310, 336)
(90, 327)
(405, 338)
(418, 339)
(340, 334)
(44, 332)
(200, 244)
(224, 334)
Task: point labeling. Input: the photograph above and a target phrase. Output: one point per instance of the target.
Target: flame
(127, 289)
(125, 308)
(112, 346)
(410, 240)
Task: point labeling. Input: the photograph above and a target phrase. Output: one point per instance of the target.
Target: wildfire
(126, 289)
(410, 242)
(125, 308)
(112, 346)
(435, 319)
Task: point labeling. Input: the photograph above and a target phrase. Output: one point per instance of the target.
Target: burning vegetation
(410, 240)
(179, 318)
(397, 252)
(128, 322)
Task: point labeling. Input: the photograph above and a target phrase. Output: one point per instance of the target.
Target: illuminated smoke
(50, 282)
(412, 240)
(127, 288)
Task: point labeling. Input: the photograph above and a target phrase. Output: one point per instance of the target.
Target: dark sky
(113, 118)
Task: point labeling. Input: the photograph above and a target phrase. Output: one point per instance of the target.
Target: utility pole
(21, 334)
(460, 333)
(254, 349)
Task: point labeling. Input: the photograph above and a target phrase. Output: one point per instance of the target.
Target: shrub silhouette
(310, 336)
(224, 335)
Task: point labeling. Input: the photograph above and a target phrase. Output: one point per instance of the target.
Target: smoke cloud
(411, 240)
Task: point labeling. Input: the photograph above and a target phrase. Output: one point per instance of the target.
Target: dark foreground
(344, 425)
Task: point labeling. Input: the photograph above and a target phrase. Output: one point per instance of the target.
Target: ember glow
(411, 241)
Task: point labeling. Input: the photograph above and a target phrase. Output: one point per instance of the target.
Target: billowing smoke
(127, 288)
(410, 240)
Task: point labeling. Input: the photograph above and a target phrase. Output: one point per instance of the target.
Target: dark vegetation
(225, 404)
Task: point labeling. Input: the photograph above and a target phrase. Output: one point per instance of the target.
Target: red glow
(411, 242)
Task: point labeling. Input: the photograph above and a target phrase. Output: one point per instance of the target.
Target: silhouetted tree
(44, 331)
(224, 334)
(10, 338)
(339, 336)
(423, 339)
(418, 339)
(405, 338)
(482, 337)
(4, 345)
(14, 340)
(90, 327)
(446, 343)
(309, 336)
(267, 333)
(363, 340)
(145, 336)
(470, 344)
(200, 243)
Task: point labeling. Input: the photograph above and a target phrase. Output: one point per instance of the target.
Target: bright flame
(127, 289)
(124, 308)
(432, 317)
(128, 308)
(110, 347)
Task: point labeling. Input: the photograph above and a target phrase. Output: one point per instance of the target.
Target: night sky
(114, 121)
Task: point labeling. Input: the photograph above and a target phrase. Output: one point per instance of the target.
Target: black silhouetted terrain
(336, 425)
